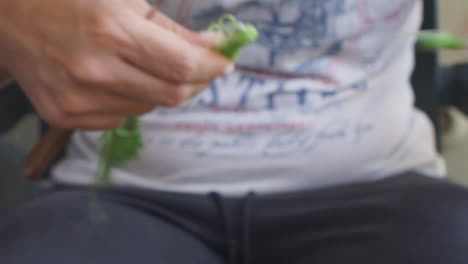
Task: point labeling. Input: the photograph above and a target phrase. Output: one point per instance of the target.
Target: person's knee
(436, 206)
(46, 211)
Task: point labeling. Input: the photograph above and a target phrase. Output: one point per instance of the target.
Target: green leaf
(119, 146)
(433, 40)
(234, 35)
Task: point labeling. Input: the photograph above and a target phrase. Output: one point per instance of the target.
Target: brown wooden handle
(45, 152)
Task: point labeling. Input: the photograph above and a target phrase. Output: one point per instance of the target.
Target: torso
(322, 98)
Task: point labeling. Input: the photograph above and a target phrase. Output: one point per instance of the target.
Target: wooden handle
(45, 152)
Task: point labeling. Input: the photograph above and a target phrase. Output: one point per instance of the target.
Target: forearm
(4, 78)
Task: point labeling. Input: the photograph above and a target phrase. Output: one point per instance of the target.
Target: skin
(4, 78)
(86, 64)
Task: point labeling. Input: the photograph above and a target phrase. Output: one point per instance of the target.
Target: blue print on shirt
(289, 26)
(251, 91)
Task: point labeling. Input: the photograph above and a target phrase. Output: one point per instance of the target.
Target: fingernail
(229, 69)
(211, 36)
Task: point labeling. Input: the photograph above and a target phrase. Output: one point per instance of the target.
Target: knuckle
(178, 96)
(185, 69)
(97, 20)
(107, 32)
(88, 71)
(143, 110)
(148, 109)
(58, 118)
(77, 68)
(72, 104)
(112, 123)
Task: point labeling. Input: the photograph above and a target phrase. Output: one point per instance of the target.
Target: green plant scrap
(434, 40)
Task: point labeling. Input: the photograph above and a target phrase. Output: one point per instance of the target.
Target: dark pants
(404, 219)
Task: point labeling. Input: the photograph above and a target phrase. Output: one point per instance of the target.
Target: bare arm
(4, 78)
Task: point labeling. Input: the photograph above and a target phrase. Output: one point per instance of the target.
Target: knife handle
(46, 151)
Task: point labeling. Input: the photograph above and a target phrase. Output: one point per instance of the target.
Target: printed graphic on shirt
(245, 91)
(266, 140)
(320, 53)
(338, 110)
(258, 117)
(307, 36)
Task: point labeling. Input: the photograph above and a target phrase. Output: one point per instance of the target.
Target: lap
(60, 228)
(404, 219)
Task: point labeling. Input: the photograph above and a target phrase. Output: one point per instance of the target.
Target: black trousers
(403, 219)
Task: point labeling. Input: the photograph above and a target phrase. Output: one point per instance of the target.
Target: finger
(53, 114)
(198, 88)
(141, 86)
(119, 105)
(163, 53)
(156, 91)
(115, 76)
(93, 122)
(84, 100)
(152, 13)
(162, 20)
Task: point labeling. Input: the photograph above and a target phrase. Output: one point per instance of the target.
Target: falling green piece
(434, 40)
(124, 144)
(118, 147)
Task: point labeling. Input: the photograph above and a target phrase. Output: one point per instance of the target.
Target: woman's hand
(87, 64)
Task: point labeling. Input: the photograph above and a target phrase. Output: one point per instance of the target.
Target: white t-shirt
(323, 98)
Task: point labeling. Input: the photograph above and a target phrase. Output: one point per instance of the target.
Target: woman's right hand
(86, 64)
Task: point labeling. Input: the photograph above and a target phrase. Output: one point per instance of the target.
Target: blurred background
(454, 124)
(454, 17)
